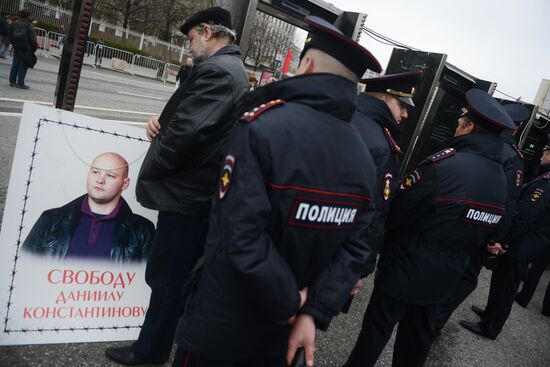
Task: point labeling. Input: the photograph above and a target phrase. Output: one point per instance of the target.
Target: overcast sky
(505, 41)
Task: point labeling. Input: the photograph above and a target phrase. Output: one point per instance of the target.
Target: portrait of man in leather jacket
(97, 225)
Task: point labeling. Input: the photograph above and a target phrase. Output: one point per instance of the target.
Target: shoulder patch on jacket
(439, 156)
(394, 145)
(249, 116)
(517, 151)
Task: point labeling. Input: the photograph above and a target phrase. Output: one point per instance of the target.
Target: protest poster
(53, 290)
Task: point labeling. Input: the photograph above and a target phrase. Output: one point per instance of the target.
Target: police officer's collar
(379, 111)
(324, 92)
(488, 146)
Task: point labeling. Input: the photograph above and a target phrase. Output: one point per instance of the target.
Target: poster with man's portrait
(74, 241)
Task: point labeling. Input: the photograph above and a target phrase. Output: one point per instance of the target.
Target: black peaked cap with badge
(326, 37)
(486, 111)
(518, 112)
(401, 85)
(214, 15)
(547, 146)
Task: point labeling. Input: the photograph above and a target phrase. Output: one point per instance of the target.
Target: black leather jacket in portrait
(180, 169)
(51, 234)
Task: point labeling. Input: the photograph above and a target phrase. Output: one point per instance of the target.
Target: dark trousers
(179, 241)
(504, 285)
(18, 71)
(186, 359)
(546, 302)
(532, 278)
(414, 333)
(466, 285)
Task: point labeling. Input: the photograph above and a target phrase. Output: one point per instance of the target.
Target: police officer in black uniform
(287, 238)
(512, 163)
(528, 238)
(380, 111)
(442, 210)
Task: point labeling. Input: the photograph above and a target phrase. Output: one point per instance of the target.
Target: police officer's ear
(307, 64)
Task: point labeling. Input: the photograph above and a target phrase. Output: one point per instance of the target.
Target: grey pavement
(525, 340)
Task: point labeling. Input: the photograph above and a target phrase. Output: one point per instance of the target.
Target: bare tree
(266, 41)
(124, 12)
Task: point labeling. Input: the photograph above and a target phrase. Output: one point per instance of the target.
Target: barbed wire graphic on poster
(74, 240)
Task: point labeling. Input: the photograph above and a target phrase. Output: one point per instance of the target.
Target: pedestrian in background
(99, 53)
(252, 81)
(184, 72)
(4, 35)
(22, 35)
(178, 175)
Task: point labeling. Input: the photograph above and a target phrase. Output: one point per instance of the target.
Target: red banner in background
(288, 59)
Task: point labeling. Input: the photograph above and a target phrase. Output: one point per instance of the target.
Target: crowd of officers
(275, 204)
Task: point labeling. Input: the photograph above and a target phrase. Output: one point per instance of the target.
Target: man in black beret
(380, 111)
(287, 236)
(178, 175)
(443, 209)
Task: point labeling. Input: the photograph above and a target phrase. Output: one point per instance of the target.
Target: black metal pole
(74, 48)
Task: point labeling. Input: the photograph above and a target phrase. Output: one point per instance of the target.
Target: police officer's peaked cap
(214, 15)
(401, 85)
(326, 37)
(518, 112)
(486, 111)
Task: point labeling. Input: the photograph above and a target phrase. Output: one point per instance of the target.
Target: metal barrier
(56, 15)
(42, 39)
(101, 56)
(171, 72)
(147, 66)
(55, 43)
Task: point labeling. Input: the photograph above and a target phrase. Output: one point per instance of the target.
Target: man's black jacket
(51, 234)
(180, 169)
(292, 210)
(443, 210)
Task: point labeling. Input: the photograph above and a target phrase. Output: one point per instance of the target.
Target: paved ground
(524, 341)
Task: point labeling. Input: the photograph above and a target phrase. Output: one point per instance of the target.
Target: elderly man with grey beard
(178, 175)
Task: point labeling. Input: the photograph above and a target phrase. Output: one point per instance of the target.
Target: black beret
(326, 37)
(518, 112)
(401, 85)
(214, 15)
(547, 146)
(486, 111)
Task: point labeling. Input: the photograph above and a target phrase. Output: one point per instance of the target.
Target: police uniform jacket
(529, 233)
(512, 162)
(292, 210)
(379, 130)
(179, 172)
(441, 212)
